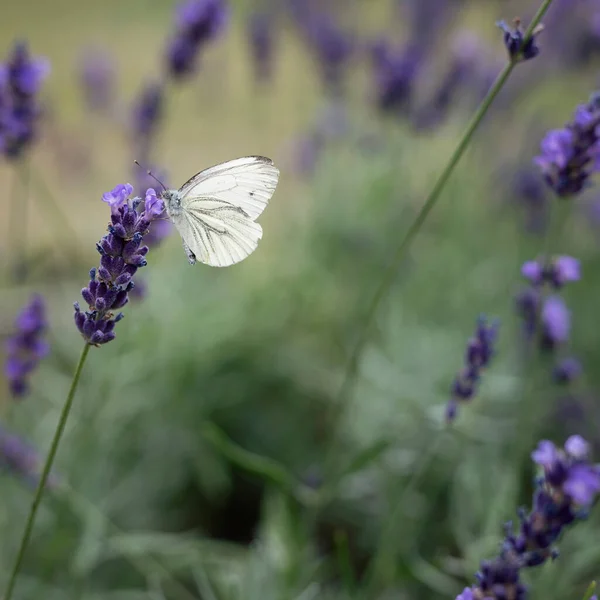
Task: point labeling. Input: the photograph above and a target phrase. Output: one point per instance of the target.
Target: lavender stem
(64, 415)
(390, 274)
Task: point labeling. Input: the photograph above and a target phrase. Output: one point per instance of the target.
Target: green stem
(413, 230)
(45, 473)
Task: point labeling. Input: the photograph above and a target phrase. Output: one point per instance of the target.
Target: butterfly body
(215, 210)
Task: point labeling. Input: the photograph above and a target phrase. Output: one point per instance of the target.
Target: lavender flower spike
(197, 22)
(514, 40)
(570, 484)
(122, 254)
(571, 155)
(26, 347)
(19, 110)
(21, 459)
(480, 351)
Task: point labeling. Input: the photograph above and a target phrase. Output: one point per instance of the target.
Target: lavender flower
(20, 83)
(26, 347)
(549, 312)
(197, 22)
(333, 49)
(462, 67)
(480, 351)
(122, 254)
(530, 192)
(559, 271)
(161, 226)
(21, 459)
(260, 38)
(395, 72)
(570, 155)
(564, 493)
(567, 370)
(514, 39)
(147, 114)
(556, 322)
(97, 78)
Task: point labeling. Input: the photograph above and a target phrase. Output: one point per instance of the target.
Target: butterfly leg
(191, 256)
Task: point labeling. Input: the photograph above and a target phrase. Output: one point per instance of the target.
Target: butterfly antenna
(164, 187)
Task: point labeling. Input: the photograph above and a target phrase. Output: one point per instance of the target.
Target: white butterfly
(215, 210)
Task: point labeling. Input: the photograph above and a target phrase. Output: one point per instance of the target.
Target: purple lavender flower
(21, 459)
(514, 40)
(260, 37)
(530, 193)
(462, 67)
(19, 109)
(556, 322)
(117, 197)
(559, 271)
(161, 226)
(480, 351)
(569, 486)
(197, 22)
(570, 155)
(567, 370)
(549, 316)
(26, 347)
(122, 254)
(395, 72)
(147, 115)
(466, 594)
(333, 49)
(97, 77)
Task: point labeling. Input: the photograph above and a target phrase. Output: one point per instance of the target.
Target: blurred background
(209, 453)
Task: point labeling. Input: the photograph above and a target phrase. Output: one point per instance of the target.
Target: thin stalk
(389, 275)
(45, 473)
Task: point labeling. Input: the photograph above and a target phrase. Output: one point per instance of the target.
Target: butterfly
(215, 210)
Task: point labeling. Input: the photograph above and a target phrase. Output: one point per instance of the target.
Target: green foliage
(192, 461)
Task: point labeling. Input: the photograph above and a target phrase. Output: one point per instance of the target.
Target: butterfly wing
(248, 183)
(218, 233)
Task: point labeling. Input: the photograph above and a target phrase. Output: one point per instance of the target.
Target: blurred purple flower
(122, 254)
(514, 40)
(480, 350)
(466, 594)
(261, 32)
(333, 49)
(426, 18)
(560, 270)
(97, 78)
(577, 447)
(21, 459)
(462, 68)
(570, 155)
(395, 74)
(567, 370)
(147, 115)
(26, 347)
(196, 23)
(529, 192)
(20, 83)
(556, 322)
